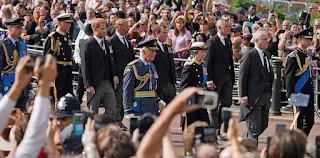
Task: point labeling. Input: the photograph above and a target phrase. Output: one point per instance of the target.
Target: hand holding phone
(207, 99)
(78, 123)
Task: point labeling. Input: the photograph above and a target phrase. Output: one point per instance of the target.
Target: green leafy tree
(241, 3)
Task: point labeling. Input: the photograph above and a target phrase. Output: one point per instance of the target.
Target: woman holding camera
(194, 74)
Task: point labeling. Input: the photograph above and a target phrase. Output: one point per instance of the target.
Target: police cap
(304, 34)
(14, 22)
(152, 44)
(65, 17)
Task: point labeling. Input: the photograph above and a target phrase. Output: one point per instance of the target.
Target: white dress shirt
(76, 54)
(262, 56)
(35, 136)
(82, 25)
(121, 39)
(222, 38)
(161, 45)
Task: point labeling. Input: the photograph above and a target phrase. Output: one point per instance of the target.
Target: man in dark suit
(111, 30)
(12, 49)
(166, 89)
(252, 17)
(255, 84)
(123, 53)
(221, 76)
(97, 66)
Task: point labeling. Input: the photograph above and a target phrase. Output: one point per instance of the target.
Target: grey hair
(257, 35)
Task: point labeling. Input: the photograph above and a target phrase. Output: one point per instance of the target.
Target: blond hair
(179, 19)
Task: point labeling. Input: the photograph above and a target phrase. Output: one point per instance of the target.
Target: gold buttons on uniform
(198, 75)
(64, 58)
(199, 81)
(197, 70)
(61, 48)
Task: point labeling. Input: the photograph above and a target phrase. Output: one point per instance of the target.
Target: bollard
(276, 88)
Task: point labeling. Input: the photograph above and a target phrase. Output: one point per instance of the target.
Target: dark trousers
(168, 92)
(199, 115)
(225, 100)
(104, 95)
(63, 83)
(80, 86)
(306, 118)
(119, 106)
(257, 120)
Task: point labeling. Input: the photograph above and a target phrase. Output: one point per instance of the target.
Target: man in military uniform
(299, 80)
(12, 49)
(58, 44)
(139, 83)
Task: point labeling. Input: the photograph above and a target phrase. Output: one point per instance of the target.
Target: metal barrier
(235, 97)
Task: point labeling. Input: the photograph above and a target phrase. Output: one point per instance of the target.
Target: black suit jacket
(252, 79)
(165, 68)
(123, 55)
(94, 63)
(219, 60)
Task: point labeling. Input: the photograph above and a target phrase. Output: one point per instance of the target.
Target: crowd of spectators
(46, 130)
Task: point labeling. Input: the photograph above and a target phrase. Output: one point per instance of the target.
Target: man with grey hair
(220, 70)
(255, 83)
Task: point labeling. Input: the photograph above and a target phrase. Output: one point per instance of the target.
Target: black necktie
(17, 46)
(265, 63)
(125, 42)
(102, 44)
(164, 48)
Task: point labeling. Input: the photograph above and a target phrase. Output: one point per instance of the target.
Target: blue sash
(304, 77)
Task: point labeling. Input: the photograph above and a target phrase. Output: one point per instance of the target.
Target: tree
(241, 3)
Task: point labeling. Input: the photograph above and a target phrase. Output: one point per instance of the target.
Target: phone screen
(280, 127)
(268, 146)
(78, 123)
(318, 147)
(226, 114)
(207, 99)
(133, 124)
(209, 135)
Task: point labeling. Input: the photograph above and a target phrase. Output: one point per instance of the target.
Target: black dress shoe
(122, 127)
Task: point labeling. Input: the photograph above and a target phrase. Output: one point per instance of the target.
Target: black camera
(143, 123)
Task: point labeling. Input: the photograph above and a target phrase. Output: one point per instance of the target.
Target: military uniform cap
(198, 46)
(14, 22)
(304, 34)
(65, 17)
(148, 44)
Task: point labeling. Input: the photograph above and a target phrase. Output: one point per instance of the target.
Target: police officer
(194, 74)
(299, 80)
(12, 49)
(139, 83)
(58, 44)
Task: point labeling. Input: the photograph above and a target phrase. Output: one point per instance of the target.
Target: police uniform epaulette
(293, 54)
(133, 62)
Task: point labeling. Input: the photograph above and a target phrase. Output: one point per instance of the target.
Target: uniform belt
(64, 63)
(144, 94)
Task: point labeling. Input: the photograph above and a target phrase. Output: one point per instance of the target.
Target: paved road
(286, 118)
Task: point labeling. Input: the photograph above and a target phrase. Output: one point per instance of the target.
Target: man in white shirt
(82, 37)
(255, 83)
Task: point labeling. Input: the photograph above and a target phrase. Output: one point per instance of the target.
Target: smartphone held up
(206, 99)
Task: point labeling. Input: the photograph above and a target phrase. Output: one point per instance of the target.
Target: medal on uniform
(6, 88)
(205, 71)
(135, 104)
(65, 38)
(169, 50)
